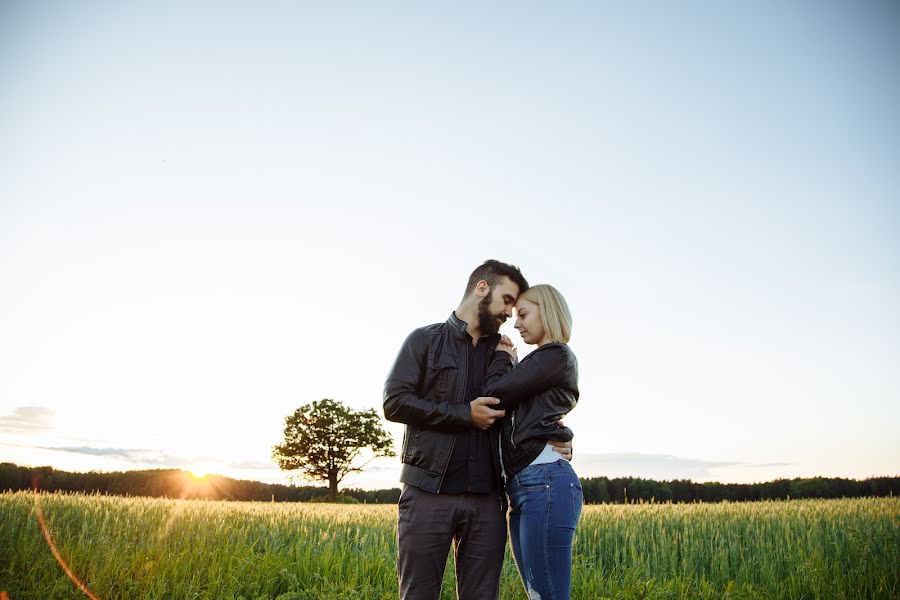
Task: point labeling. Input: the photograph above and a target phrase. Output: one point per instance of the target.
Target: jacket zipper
(461, 395)
(512, 433)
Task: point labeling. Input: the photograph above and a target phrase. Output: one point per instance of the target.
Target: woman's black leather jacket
(536, 394)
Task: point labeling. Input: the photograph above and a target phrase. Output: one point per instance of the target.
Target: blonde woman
(544, 492)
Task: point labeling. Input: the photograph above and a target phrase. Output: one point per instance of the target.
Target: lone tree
(323, 438)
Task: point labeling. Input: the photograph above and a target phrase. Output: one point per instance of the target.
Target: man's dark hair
(491, 271)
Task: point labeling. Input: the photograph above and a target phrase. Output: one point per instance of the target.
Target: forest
(175, 483)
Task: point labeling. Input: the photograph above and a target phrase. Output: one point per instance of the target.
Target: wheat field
(124, 548)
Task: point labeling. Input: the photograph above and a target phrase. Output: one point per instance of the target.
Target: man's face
(497, 305)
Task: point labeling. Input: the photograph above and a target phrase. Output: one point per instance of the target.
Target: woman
(544, 492)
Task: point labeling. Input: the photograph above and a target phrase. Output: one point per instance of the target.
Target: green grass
(177, 549)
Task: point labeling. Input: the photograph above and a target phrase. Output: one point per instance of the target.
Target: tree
(324, 438)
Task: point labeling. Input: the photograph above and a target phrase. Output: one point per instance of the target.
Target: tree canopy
(325, 438)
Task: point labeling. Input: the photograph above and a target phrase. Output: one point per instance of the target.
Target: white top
(547, 455)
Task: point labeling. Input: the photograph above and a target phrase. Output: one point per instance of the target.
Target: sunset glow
(201, 470)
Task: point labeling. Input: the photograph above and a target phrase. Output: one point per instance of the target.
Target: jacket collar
(457, 325)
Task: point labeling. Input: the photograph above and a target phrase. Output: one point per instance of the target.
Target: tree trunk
(332, 486)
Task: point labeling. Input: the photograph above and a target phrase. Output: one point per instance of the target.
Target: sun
(200, 470)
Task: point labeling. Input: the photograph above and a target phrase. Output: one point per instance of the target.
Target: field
(178, 549)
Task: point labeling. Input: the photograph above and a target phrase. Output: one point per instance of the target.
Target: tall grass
(801, 549)
(179, 549)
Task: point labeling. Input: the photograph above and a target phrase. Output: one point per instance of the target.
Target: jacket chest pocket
(443, 374)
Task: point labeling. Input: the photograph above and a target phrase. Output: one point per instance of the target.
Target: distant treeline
(173, 483)
(630, 489)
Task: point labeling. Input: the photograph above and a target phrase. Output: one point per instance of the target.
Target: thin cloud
(131, 454)
(27, 419)
(653, 466)
(250, 465)
(156, 458)
(386, 464)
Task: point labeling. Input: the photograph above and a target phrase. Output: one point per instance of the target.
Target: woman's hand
(506, 345)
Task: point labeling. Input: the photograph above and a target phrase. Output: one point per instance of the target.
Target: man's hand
(564, 448)
(483, 416)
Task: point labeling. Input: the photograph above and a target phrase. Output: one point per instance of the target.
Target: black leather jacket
(426, 390)
(536, 394)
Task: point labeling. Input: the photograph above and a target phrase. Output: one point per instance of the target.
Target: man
(451, 469)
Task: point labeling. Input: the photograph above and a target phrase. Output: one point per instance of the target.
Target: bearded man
(451, 473)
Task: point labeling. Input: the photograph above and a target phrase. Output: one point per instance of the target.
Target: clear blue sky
(211, 214)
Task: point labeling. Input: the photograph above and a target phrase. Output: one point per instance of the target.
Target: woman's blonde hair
(555, 315)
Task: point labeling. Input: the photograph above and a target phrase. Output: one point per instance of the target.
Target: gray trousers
(428, 523)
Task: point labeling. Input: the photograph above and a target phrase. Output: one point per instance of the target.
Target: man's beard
(488, 324)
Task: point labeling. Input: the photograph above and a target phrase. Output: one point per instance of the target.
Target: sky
(214, 213)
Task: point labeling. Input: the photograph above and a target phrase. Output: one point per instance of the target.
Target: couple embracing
(480, 427)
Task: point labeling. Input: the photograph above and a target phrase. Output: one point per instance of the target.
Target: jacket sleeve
(545, 369)
(402, 403)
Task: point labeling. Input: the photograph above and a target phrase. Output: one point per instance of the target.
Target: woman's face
(528, 322)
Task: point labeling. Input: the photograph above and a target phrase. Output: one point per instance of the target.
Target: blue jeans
(545, 503)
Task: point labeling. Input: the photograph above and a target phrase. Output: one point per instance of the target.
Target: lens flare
(53, 549)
